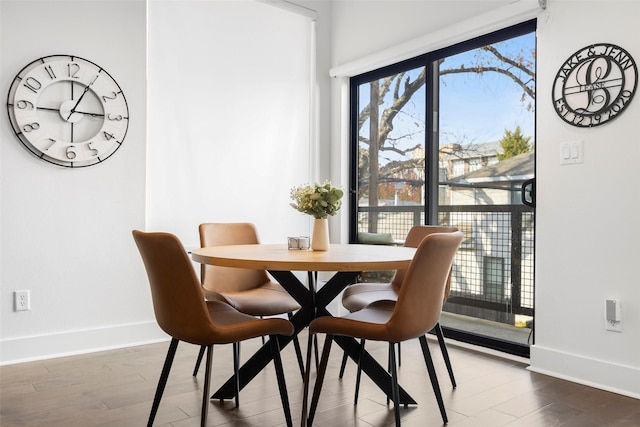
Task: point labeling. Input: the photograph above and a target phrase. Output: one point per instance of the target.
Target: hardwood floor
(116, 388)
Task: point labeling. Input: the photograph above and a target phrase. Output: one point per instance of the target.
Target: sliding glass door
(485, 135)
(448, 138)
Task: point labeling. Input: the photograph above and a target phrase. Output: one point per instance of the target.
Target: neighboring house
(487, 249)
(498, 183)
(457, 160)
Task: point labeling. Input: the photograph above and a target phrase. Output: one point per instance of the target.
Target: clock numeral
(24, 105)
(108, 136)
(111, 97)
(31, 127)
(94, 152)
(73, 69)
(115, 118)
(53, 142)
(49, 70)
(71, 154)
(32, 84)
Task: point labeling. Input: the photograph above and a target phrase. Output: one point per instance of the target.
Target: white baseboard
(27, 349)
(605, 375)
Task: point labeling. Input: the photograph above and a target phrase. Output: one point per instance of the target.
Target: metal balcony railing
(493, 270)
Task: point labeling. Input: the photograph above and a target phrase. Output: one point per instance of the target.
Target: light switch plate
(571, 152)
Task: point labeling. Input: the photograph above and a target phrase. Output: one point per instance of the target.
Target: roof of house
(470, 151)
(517, 168)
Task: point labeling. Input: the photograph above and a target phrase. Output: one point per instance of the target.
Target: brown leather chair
(416, 311)
(248, 291)
(182, 312)
(359, 295)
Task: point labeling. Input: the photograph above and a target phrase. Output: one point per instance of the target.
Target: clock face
(68, 111)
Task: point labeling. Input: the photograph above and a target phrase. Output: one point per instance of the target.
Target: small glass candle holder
(292, 243)
(303, 242)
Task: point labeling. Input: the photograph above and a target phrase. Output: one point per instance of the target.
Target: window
(427, 136)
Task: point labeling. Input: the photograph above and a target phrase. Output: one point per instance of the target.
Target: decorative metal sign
(595, 85)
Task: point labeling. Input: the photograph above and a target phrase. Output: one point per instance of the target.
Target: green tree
(514, 143)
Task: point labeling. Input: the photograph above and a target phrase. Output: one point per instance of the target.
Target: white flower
(318, 200)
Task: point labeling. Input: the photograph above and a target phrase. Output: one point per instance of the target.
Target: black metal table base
(313, 305)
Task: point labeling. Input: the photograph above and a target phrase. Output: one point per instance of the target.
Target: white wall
(591, 208)
(587, 215)
(358, 29)
(66, 234)
(229, 116)
(225, 136)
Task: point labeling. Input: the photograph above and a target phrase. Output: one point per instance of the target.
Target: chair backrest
(416, 234)
(178, 300)
(228, 279)
(421, 295)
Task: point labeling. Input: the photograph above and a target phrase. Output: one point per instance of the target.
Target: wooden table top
(339, 257)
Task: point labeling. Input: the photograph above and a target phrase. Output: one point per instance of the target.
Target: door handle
(529, 193)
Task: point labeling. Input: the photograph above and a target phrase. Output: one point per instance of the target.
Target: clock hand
(86, 113)
(73, 110)
(48, 109)
(86, 89)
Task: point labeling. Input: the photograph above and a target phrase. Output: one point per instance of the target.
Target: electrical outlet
(613, 315)
(22, 300)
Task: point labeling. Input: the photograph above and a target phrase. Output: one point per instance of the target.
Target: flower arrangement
(318, 200)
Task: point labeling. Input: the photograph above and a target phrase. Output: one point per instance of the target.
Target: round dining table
(339, 257)
(345, 261)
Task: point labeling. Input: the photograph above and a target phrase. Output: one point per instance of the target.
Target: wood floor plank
(115, 388)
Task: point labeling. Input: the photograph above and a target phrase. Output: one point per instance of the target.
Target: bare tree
(518, 66)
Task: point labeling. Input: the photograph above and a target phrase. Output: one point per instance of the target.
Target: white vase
(320, 237)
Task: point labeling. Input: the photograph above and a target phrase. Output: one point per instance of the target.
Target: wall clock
(595, 85)
(68, 111)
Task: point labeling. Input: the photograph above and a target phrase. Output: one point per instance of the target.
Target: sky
(474, 109)
(479, 108)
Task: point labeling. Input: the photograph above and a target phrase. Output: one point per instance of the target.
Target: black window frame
(431, 145)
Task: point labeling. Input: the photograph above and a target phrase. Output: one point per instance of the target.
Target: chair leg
(199, 359)
(434, 378)
(390, 357)
(359, 374)
(205, 391)
(162, 382)
(236, 367)
(313, 287)
(392, 350)
(307, 376)
(315, 346)
(282, 386)
(319, 379)
(399, 354)
(445, 353)
(395, 390)
(296, 345)
(343, 364)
